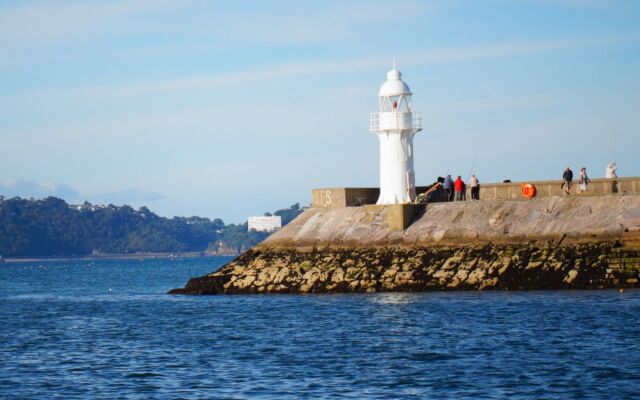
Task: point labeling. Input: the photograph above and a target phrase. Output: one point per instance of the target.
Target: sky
(230, 109)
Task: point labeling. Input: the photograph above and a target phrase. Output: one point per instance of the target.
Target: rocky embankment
(551, 243)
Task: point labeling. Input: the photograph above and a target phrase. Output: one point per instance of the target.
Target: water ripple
(107, 330)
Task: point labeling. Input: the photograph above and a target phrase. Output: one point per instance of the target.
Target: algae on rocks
(499, 267)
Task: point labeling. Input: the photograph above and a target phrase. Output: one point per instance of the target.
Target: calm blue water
(105, 329)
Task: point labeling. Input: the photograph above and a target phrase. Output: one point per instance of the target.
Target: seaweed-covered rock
(501, 267)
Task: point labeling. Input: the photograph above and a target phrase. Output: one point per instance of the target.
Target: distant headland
(53, 229)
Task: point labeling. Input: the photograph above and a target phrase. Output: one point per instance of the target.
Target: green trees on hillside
(235, 238)
(289, 214)
(51, 227)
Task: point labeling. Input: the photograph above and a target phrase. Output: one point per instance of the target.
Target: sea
(106, 329)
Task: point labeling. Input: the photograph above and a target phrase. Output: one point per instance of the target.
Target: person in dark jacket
(567, 180)
(447, 185)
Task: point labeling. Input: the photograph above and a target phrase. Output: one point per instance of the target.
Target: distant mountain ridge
(52, 227)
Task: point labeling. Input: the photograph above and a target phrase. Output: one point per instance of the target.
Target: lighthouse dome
(394, 85)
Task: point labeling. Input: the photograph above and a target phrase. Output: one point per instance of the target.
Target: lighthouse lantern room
(395, 124)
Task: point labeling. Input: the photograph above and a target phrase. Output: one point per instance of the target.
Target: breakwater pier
(502, 243)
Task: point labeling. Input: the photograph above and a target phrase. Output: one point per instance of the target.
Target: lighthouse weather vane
(395, 124)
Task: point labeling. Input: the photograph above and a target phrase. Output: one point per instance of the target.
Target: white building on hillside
(264, 224)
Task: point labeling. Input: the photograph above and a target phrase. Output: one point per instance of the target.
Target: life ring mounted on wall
(528, 190)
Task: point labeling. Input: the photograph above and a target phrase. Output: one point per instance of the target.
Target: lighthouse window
(405, 105)
(393, 102)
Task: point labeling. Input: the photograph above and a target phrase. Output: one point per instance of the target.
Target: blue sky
(230, 109)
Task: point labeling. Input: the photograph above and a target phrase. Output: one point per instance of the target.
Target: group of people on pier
(454, 190)
(583, 178)
(567, 180)
(448, 189)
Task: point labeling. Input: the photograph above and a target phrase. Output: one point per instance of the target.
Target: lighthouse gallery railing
(382, 121)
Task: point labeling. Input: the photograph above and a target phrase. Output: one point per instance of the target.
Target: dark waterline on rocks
(105, 329)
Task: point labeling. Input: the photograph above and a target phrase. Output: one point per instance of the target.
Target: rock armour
(386, 269)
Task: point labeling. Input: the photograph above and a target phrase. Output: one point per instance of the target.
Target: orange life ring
(528, 190)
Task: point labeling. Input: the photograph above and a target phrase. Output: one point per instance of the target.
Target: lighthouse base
(398, 216)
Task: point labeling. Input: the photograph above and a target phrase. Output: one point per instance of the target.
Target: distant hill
(51, 227)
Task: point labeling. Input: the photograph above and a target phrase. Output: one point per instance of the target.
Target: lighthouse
(395, 124)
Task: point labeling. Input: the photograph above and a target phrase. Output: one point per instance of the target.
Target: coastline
(115, 257)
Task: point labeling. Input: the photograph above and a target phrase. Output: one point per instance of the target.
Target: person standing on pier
(459, 188)
(447, 185)
(610, 172)
(584, 180)
(474, 184)
(567, 179)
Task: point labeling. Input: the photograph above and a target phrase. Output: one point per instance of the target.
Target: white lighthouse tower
(395, 124)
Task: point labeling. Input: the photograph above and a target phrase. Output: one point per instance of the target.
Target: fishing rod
(473, 165)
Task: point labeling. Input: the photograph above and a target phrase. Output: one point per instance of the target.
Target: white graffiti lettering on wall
(322, 198)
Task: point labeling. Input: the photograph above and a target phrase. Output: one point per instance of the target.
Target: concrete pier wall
(496, 191)
(351, 197)
(582, 218)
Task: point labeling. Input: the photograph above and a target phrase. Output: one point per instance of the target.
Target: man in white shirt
(610, 173)
(474, 184)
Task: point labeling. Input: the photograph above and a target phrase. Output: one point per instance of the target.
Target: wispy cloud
(48, 22)
(493, 103)
(136, 196)
(43, 23)
(27, 188)
(574, 3)
(510, 49)
(318, 67)
(305, 25)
